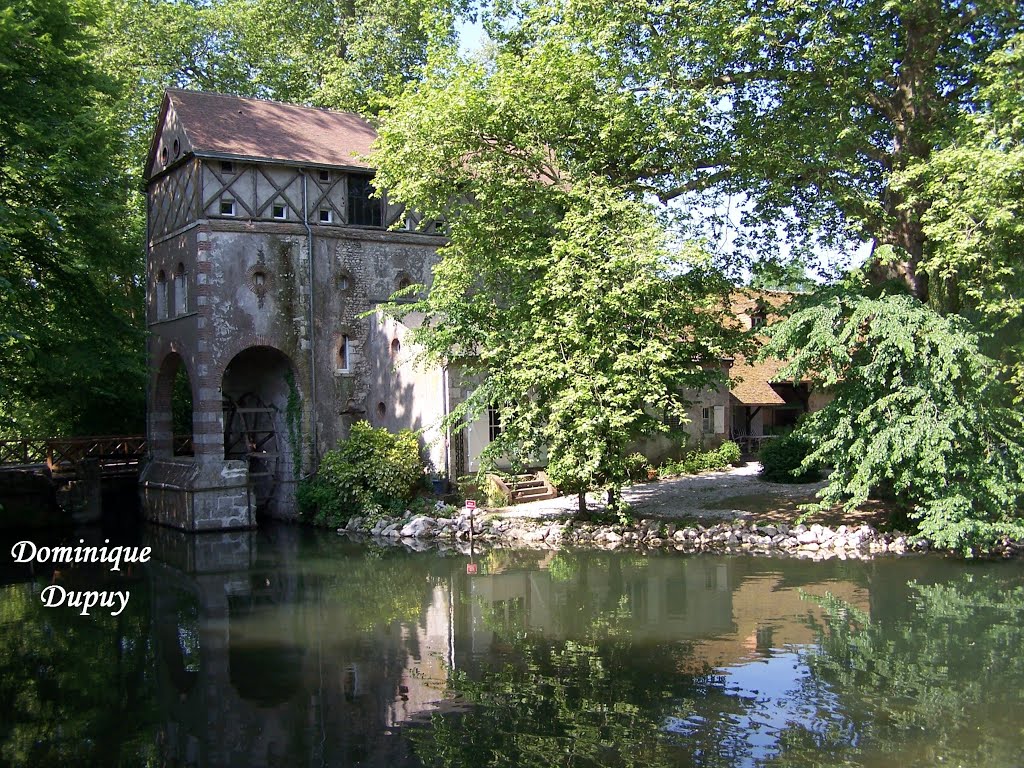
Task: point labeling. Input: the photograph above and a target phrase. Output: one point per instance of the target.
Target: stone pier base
(196, 495)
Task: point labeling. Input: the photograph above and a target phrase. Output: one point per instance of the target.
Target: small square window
(226, 166)
(325, 216)
(227, 207)
(280, 212)
(325, 175)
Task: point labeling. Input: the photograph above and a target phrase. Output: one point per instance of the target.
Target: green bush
(373, 472)
(696, 462)
(637, 467)
(729, 452)
(781, 458)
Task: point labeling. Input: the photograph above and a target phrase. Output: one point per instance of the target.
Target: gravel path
(734, 492)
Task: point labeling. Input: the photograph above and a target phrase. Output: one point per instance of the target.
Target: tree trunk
(911, 108)
(582, 500)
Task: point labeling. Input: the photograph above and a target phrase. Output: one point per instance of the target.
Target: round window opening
(177, 148)
(396, 346)
(163, 155)
(381, 409)
(259, 279)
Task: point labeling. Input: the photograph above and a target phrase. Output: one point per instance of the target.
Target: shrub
(637, 467)
(372, 472)
(696, 462)
(781, 460)
(729, 452)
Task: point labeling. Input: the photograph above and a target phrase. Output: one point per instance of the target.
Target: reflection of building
(254, 670)
(732, 609)
(264, 658)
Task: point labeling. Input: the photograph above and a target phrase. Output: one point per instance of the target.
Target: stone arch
(265, 421)
(162, 436)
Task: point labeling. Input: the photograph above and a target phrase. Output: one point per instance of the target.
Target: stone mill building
(267, 254)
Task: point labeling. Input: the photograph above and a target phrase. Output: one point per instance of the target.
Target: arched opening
(181, 413)
(171, 414)
(263, 423)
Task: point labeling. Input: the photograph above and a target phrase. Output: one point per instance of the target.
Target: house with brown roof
(763, 402)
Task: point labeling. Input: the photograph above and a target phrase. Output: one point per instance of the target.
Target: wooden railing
(61, 455)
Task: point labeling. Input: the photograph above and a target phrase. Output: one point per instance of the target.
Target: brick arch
(161, 428)
(248, 341)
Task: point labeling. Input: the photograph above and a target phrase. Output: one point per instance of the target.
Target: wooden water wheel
(250, 435)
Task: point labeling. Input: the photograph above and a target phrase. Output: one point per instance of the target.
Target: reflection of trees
(381, 585)
(74, 690)
(586, 693)
(941, 684)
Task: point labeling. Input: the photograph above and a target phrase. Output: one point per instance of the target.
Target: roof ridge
(288, 104)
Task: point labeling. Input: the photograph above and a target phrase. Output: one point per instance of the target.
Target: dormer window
(758, 319)
(227, 166)
(325, 176)
(279, 211)
(325, 216)
(363, 210)
(227, 207)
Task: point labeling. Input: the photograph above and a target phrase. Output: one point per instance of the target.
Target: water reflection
(290, 647)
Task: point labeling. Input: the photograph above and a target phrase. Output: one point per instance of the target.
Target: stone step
(531, 488)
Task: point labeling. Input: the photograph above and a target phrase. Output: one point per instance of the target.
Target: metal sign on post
(471, 569)
(470, 503)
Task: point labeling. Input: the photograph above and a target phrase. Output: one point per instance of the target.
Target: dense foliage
(782, 460)
(918, 416)
(572, 314)
(70, 348)
(372, 472)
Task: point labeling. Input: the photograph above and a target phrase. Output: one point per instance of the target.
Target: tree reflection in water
(936, 680)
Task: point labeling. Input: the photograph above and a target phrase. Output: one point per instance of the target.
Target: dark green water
(295, 648)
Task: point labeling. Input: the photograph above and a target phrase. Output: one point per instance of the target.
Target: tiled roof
(269, 130)
(749, 382)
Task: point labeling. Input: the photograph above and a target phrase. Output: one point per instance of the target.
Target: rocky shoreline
(727, 537)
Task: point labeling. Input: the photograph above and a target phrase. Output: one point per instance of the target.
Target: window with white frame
(344, 354)
(325, 216)
(227, 207)
(279, 211)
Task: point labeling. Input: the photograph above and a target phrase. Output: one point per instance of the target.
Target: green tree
(803, 110)
(557, 297)
(918, 414)
(70, 354)
(975, 217)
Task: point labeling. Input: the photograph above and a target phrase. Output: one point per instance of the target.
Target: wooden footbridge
(41, 477)
(64, 457)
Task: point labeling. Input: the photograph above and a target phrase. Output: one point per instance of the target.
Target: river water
(291, 647)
